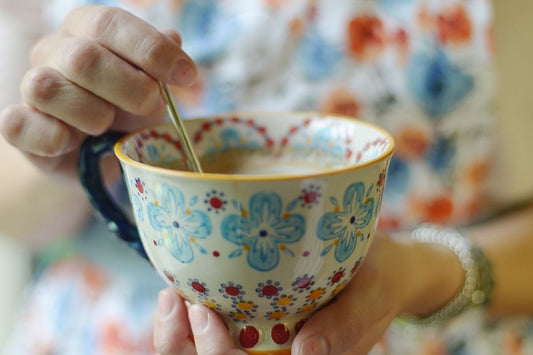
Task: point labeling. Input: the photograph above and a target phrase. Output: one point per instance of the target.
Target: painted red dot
(248, 337)
(335, 278)
(269, 290)
(169, 276)
(139, 186)
(280, 333)
(310, 196)
(216, 202)
(306, 253)
(216, 254)
(155, 243)
(232, 291)
(198, 286)
(355, 267)
(303, 283)
(299, 326)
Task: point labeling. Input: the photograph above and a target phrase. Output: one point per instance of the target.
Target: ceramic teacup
(275, 227)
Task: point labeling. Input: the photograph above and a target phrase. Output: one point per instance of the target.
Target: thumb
(352, 323)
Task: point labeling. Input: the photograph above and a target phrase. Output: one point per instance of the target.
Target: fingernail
(184, 73)
(315, 345)
(198, 318)
(166, 304)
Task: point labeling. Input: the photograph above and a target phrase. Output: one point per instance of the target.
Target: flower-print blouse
(422, 69)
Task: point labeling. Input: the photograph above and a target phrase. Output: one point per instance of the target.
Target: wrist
(435, 277)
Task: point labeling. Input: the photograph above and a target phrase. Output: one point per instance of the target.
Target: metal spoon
(192, 160)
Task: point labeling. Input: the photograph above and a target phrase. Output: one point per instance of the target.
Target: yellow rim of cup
(256, 177)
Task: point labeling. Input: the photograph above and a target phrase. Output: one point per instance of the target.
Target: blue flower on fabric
(182, 226)
(442, 153)
(206, 29)
(437, 85)
(263, 231)
(344, 226)
(399, 176)
(317, 57)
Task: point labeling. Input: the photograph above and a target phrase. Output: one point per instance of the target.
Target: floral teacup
(275, 227)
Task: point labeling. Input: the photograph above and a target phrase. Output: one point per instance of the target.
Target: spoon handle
(192, 160)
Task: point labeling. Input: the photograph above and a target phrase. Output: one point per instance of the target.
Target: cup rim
(256, 177)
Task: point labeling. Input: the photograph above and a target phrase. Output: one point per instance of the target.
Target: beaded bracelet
(478, 283)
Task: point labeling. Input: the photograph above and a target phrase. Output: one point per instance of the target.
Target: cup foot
(269, 352)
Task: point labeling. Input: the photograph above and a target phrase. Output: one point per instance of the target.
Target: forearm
(508, 243)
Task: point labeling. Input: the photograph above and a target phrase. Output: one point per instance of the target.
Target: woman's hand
(99, 70)
(181, 330)
(398, 276)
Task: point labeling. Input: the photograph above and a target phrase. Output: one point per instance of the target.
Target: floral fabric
(422, 69)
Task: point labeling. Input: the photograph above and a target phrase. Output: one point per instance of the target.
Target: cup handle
(92, 151)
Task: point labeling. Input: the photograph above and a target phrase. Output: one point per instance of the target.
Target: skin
(100, 71)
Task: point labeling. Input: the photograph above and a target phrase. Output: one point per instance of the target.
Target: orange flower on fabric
(454, 25)
(366, 38)
(412, 142)
(340, 101)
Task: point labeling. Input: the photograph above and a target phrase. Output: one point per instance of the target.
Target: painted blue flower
(183, 225)
(437, 85)
(344, 226)
(317, 57)
(264, 231)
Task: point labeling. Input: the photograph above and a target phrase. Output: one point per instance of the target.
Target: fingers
(210, 333)
(351, 324)
(133, 40)
(85, 64)
(172, 334)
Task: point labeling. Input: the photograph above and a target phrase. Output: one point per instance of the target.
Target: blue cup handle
(92, 151)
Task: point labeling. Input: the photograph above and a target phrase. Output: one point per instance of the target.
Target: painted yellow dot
(244, 213)
(246, 247)
(276, 315)
(245, 306)
(307, 307)
(210, 304)
(315, 294)
(156, 203)
(192, 239)
(165, 235)
(336, 209)
(338, 288)
(188, 211)
(336, 242)
(240, 316)
(367, 200)
(286, 215)
(284, 301)
(358, 233)
(282, 247)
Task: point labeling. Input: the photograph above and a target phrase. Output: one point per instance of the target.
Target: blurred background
(28, 200)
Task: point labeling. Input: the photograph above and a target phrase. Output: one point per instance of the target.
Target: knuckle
(12, 123)
(104, 22)
(146, 99)
(81, 57)
(57, 140)
(103, 118)
(41, 84)
(152, 50)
